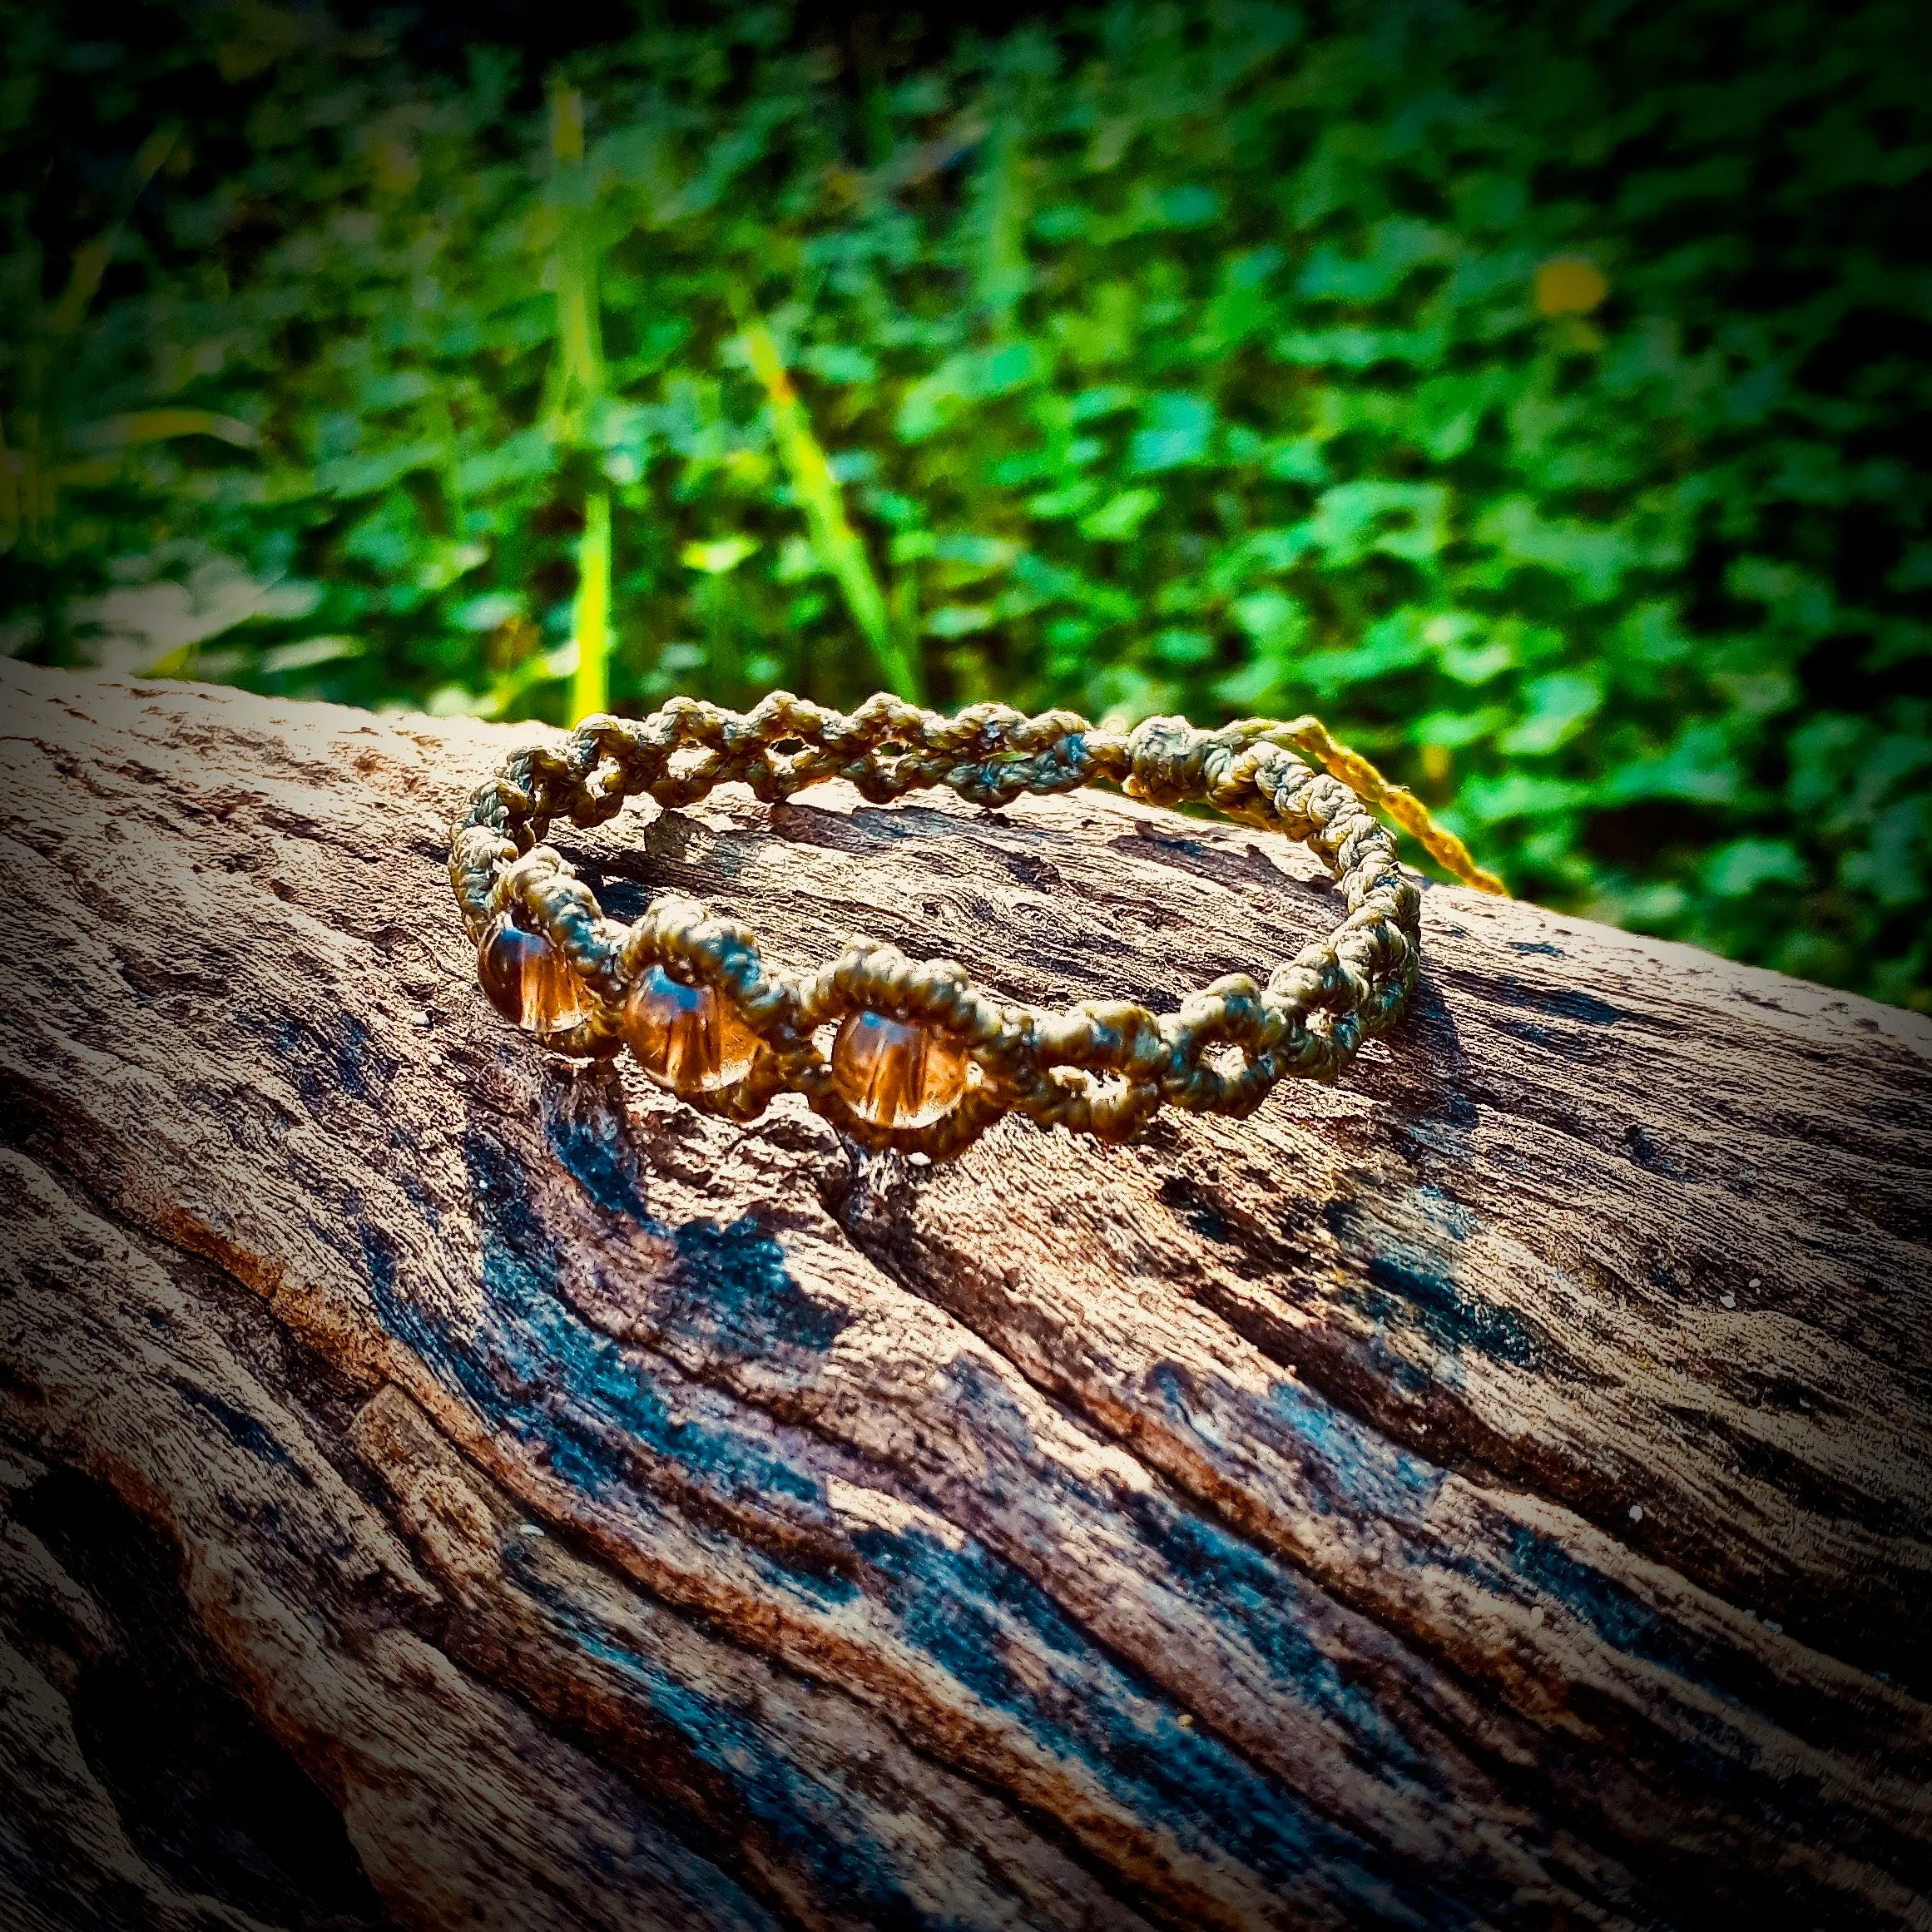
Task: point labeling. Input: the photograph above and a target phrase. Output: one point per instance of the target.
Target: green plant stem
(833, 537)
(590, 619)
(580, 382)
(579, 349)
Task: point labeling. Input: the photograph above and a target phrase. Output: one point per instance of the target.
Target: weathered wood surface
(446, 1486)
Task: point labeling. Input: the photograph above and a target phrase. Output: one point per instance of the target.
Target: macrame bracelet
(922, 1060)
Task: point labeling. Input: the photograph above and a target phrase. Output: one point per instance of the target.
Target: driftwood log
(447, 1486)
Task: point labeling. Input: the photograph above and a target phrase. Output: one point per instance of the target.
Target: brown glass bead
(688, 1038)
(526, 979)
(896, 1075)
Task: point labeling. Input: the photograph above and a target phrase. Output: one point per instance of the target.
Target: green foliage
(1541, 398)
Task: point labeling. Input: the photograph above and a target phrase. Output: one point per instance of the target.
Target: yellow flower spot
(1569, 285)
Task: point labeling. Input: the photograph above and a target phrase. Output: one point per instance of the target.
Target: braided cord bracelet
(922, 1060)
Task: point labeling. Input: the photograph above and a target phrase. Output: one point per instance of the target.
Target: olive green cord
(1104, 1067)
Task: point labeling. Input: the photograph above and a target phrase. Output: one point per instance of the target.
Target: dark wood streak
(1494, 1492)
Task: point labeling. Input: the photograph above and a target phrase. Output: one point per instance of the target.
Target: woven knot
(1164, 760)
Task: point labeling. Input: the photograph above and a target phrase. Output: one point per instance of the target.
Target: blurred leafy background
(1541, 395)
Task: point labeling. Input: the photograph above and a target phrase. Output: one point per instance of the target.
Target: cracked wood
(1492, 1492)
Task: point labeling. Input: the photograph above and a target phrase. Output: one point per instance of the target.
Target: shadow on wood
(450, 1486)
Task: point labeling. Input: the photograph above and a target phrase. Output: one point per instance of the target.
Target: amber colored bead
(688, 1038)
(894, 1074)
(528, 980)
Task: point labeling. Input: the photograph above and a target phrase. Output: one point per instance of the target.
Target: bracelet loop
(923, 1060)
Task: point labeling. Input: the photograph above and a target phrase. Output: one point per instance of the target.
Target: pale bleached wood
(1493, 1491)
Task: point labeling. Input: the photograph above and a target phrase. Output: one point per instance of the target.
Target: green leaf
(1747, 865)
(306, 653)
(1119, 519)
(1178, 425)
(959, 620)
(721, 554)
(157, 425)
(1559, 707)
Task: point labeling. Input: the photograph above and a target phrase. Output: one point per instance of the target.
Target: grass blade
(590, 616)
(837, 543)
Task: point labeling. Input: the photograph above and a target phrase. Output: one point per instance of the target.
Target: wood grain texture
(1494, 1492)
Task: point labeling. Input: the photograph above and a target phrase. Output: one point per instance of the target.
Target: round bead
(528, 980)
(688, 1038)
(895, 1074)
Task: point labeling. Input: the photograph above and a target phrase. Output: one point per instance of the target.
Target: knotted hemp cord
(1104, 1067)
